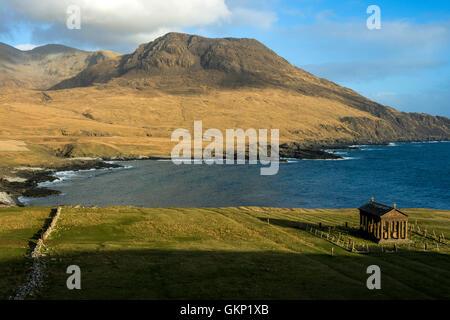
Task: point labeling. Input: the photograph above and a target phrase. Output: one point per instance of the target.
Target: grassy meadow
(224, 253)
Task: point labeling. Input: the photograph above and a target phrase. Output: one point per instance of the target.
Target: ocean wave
(369, 149)
(358, 145)
(342, 159)
(119, 168)
(170, 160)
(62, 176)
(340, 153)
(24, 200)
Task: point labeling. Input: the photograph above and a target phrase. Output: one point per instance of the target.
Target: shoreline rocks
(7, 201)
(23, 181)
(296, 151)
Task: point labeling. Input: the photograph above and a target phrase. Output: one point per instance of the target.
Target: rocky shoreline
(294, 150)
(23, 181)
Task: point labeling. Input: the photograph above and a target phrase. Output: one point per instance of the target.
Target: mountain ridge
(178, 60)
(46, 65)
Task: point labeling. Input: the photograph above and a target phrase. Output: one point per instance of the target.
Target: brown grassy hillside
(129, 105)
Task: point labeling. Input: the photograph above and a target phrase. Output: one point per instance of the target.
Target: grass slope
(226, 253)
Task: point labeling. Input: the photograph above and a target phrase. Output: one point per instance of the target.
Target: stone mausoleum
(382, 223)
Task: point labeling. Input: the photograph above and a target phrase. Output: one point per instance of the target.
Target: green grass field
(226, 253)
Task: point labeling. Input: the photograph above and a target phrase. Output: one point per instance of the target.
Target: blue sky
(405, 64)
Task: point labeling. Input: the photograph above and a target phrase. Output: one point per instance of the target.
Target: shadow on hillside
(306, 226)
(47, 223)
(34, 239)
(192, 274)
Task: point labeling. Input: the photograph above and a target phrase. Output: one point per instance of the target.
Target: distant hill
(44, 66)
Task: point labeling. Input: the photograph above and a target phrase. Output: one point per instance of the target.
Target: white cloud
(131, 15)
(392, 33)
(25, 47)
(128, 22)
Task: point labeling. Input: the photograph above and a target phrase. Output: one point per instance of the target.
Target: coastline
(24, 181)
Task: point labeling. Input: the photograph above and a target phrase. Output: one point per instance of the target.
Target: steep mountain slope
(44, 66)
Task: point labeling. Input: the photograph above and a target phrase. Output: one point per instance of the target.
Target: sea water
(410, 174)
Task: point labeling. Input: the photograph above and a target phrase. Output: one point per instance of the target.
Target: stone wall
(35, 278)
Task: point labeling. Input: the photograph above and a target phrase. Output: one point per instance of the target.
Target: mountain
(44, 66)
(181, 62)
(112, 105)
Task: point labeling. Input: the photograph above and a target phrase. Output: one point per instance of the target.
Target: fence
(341, 240)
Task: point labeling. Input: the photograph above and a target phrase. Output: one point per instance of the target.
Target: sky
(403, 64)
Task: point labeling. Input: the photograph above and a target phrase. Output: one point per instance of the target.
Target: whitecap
(358, 145)
(343, 158)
